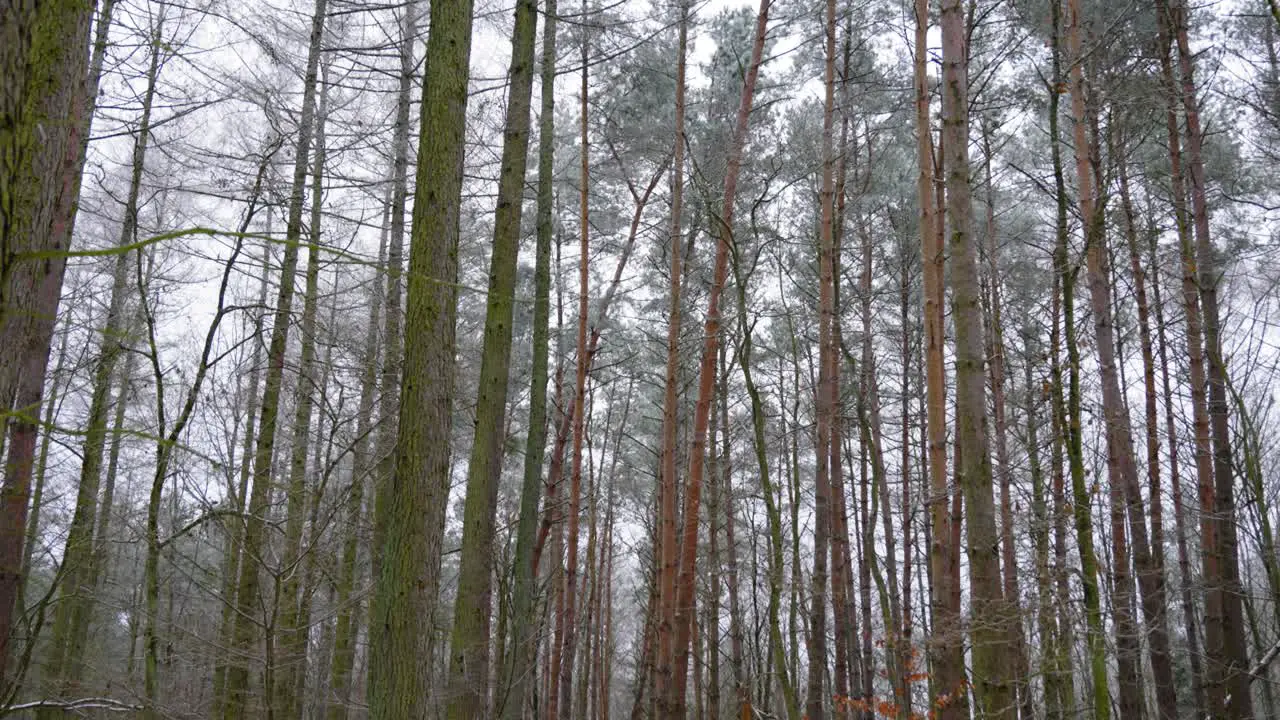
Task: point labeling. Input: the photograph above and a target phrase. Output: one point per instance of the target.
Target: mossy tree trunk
(411, 518)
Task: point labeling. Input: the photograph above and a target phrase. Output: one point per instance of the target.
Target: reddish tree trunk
(707, 374)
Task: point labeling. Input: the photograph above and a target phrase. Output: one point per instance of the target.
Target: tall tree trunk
(248, 584)
(946, 651)
(469, 647)
(393, 342)
(707, 373)
(1120, 466)
(580, 403)
(1149, 561)
(1195, 354)
(518, 664)
(1228, 671)
(292, 643)
(1069, 411)
(411, 517)
(1215, 638)
(43, 66)
(866, 556)
(1021, 671)
(828, 357)
(711, 596)
(906, 653)
(668, 521)
(990, 613)
(588, 594)
(841, 557)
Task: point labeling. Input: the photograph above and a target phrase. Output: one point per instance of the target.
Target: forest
(714, 359)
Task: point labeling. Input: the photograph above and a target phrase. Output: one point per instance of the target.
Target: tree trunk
(1149, 562)
(668, 521)
(247, 601)
(841, 557)
(711, 601)
(707, 374)
(412, 517)
(510, 701)
(815, 702)
(945, 647)
(580, 408)
(1119, 443)
(469, 647)
(1228, 670)
(393, 342)
(1178, 187)
(42, 63)
(990, 613)
(292, 644)
(866, 555)
(1069, 412)
(906, 653)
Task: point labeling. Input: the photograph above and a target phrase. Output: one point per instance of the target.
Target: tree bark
(521, 656)
(668, 521)
(815, 702)
(469, 646)
(1069, 411)
(412, 516)
(1119, 445)
(43, 66)
(990, 614)
(1182, 226)
(1149, 563)
(580, 406)
(945, 649)
(1228, 677)
(723, 232)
